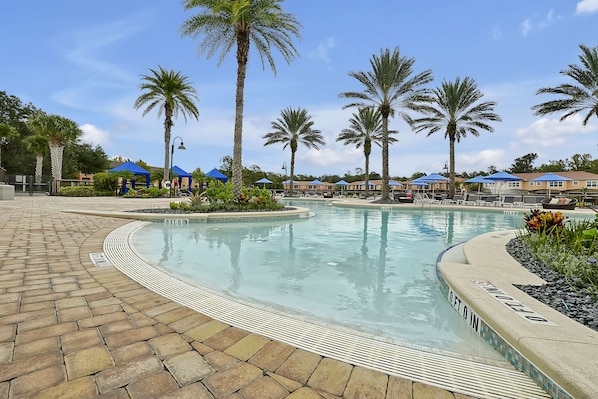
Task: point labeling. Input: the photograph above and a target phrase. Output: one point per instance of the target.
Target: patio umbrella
(343, 184)
(418, 183)
(316, 182)
(502, 177)
(432, 178)
(479, 180)
(550, 177)
(394, 184)
(264, 181)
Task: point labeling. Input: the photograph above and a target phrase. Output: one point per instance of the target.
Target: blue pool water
(370, 270)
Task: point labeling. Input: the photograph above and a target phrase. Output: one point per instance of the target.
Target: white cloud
(526, 26)
(538, 22)
(550, 133)
(94, 136)
(587, 6)
(323, 49)
(480, 160)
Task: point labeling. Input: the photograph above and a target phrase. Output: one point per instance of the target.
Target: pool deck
(71, 329)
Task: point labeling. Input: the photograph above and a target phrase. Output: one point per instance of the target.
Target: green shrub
(103, 182)
(571, 249)
(77, 191)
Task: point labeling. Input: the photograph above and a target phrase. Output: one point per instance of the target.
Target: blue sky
(84, 60)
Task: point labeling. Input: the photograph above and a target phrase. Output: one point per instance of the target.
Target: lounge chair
(559, 203)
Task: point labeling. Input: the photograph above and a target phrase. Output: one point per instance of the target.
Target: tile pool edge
(458, 375)
(529, 346)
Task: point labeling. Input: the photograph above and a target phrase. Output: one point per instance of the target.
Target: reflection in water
(373, 270)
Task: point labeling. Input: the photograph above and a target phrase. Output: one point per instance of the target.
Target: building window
(592, 183)
(555, 184)
(576, 183)
(514, 184)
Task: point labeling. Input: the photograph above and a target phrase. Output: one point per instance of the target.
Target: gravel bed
(577, 303)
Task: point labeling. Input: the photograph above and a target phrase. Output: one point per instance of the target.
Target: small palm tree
(366, 128)
(228, 24)
(59, 131)
(392, 88)
(577, 98)
(172, 93)
(37, 144)
(294, 127)
(457, 111)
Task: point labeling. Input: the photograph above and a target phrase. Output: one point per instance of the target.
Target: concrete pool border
(550, 352)
(436, 369)
(473, 373)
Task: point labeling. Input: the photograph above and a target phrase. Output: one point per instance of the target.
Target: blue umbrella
(479, 180)
(393, 183)
(264, 181)
(433, 177)
(342, 183)
(550, 177)
(502, 176)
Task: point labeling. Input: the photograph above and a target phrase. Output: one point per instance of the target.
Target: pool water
(370, 270)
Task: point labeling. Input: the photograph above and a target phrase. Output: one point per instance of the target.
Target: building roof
(573, 175)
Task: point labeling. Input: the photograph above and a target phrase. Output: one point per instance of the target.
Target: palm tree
(294, 127)
(172, 93)
(366, 128)
(390, 87)
(577, 98)
(239, 23)
(59, 131)
(37, 144)
(456, 110)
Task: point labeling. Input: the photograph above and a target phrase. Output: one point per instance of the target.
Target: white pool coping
(435, 368)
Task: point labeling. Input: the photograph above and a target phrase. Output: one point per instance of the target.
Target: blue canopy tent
(180, 173)
(479, 180)
(216, 174)
(133, 168)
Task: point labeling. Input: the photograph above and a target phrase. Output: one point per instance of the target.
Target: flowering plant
(545, 221)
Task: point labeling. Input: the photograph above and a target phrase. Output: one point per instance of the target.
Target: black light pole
(181, 147)
(284, 167)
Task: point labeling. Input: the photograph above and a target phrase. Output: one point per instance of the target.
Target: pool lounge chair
(559, 203)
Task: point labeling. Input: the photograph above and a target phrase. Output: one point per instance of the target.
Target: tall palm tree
(172, 93)
(392, 88)
(37, 144)
(366, 128)
(577, 98)
(59, 131)
(456, 110)
(239, 23)
(292, 128)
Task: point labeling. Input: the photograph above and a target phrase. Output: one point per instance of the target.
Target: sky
(84, 60)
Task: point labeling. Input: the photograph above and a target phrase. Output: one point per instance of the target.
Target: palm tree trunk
(385, 191)
(242, 53)
(39, 162)
(452, 171)
(367, 169)
(56, 150)
(292, 172)
(167, 130)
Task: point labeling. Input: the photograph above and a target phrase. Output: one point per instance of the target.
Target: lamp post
(284, 167)
(180, 147)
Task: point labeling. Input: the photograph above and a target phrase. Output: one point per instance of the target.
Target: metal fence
(26, 185)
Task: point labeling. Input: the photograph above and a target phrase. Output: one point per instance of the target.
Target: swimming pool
(370, 270)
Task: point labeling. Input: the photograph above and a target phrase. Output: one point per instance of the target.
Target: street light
(181, 147)
(284, 167)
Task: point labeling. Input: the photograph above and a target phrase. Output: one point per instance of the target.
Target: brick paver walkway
(69, 329)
